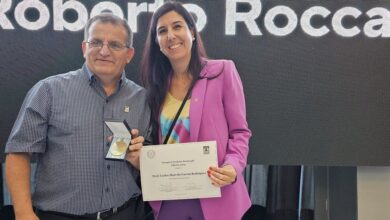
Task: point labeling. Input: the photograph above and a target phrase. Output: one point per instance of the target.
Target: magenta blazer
(217, 112)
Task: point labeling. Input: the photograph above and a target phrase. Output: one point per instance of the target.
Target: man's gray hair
(107, 17)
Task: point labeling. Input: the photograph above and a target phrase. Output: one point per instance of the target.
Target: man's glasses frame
(112, 45)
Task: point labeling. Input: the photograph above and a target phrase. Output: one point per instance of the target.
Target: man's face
(105, 62)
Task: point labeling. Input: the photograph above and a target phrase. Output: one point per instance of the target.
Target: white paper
(178, 171)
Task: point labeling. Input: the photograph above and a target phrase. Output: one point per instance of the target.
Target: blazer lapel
(196, 107)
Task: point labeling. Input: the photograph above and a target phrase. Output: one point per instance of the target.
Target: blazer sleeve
(235, 113)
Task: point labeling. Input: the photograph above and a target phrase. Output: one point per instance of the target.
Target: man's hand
(134, 148)
(222, 176)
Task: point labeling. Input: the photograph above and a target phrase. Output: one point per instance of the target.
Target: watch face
(119, 147)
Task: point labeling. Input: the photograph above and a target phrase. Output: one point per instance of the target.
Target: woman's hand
(222, 176)
(134, 148)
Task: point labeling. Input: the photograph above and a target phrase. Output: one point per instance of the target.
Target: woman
(174, 64)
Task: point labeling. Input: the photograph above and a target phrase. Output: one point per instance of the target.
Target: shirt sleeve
(235, 112)
(29, 132)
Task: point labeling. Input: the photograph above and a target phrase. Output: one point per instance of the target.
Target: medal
(119, 147)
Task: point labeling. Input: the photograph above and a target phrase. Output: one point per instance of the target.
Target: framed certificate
(178, 171)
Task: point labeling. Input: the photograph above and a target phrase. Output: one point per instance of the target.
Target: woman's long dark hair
(155, 66)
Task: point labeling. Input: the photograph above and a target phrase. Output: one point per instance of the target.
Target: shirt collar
(92, 77)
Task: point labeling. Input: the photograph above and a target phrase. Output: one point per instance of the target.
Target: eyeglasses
(112, 45)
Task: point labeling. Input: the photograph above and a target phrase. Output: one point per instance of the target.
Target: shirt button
(108, 167)
(106, 100)
(107, 189)
(108, 144)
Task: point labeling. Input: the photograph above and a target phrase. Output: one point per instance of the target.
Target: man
(61, 121)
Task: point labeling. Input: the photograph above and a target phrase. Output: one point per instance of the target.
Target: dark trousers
(137, 210)
(125, 214)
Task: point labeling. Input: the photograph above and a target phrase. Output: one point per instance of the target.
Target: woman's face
(174, 37)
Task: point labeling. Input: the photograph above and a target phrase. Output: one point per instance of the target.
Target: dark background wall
(310, 100)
